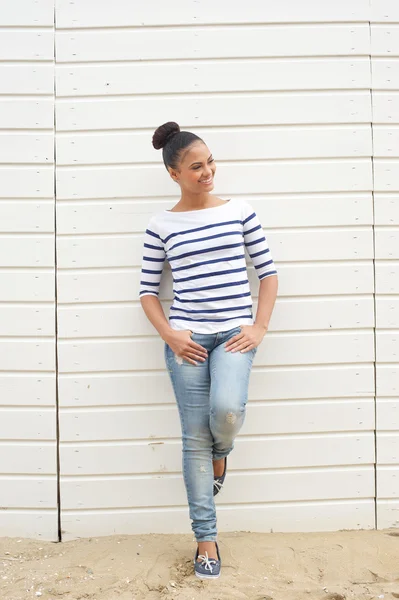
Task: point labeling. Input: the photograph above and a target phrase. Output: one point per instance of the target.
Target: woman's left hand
(249, 338)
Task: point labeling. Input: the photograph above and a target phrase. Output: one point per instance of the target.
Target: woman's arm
(179, 341)
(267, 297)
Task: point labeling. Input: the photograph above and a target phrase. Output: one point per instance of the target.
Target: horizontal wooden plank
(237, 144)
(213, 42)
(163, 457)
(27, 148)
(288, 315)
(24, 355)
(263, 177)
(23, 12)
(26, 217)
(386, 175)
(296, 246)
(386, 208)
(387, 448)
(387, 277)
(278, 211)
(23, 79)
(27, 182)
(33, 45)
(27, 320)
(387, 380)
(213, 76)
(28, 251)
(33, 424)
(388, 415)
(387, 346)
(385, 11)
(272, 384)
(241, 488)
(278, 349)
(387, 513)
(26, 114)
(384, 40)
(386, 141)
(326, 516)
(125, 423)
(387, 481)
(387, 312)
(387, 243)
(91, 14)
(385, 107)
(235, 109)
(28, 493)
(385, 74)
(35, 524)
(28, 389)
(294, 280)
(28, 458)
(26, 286)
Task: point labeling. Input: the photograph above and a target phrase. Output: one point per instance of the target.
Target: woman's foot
(218, 467)
(209, 547)
(205, 566)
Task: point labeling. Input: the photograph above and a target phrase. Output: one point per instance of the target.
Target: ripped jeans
(211, 399)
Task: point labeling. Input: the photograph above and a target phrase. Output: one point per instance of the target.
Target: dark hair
(172, 140)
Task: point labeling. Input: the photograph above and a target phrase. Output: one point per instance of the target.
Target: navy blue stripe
(212, 320)
(259, 253)
(153, 247)
(204, 239)
(248, 218)
(213, 310)
(153, 259)
(213, 274)
(201, 229)
(148, 283)
(252, 230)
(267, 274)
(263, 239)
(148, 292)
(152, 272)
(213, 249)
(209, 262)
(269, 262)
(211, 287)
(155, 235)
(215, 299)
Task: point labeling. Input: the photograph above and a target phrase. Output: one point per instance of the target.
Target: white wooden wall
(281, 94)
(28, 465)
(385, 66)
(299, 103)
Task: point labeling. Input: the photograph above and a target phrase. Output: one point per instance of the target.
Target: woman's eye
(212, 160)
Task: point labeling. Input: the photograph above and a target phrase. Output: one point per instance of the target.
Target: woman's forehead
(196, 152)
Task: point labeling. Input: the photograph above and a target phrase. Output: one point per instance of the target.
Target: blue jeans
(211, 399)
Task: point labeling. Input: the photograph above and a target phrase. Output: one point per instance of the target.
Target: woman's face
(196, 169)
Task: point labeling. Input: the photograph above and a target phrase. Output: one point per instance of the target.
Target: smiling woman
(211, 337)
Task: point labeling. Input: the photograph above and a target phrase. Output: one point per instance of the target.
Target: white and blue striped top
(205, 250)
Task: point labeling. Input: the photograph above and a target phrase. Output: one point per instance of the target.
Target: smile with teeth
(209, 180)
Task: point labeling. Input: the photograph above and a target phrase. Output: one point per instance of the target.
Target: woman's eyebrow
(199, 162)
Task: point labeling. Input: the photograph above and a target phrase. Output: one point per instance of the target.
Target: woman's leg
(191, 385)
(230, 374)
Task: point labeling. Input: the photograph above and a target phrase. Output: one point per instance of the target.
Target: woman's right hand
(184, 347)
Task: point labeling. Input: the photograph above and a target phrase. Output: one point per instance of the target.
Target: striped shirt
(206, 252)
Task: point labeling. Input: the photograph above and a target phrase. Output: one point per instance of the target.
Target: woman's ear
(174, 175)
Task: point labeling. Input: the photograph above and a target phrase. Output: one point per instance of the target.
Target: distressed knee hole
(231, 417)
(202, 469)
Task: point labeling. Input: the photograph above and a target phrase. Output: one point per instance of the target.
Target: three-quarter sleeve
(256, 244)
(152, 263)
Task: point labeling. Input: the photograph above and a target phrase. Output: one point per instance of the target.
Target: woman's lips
(207, 181)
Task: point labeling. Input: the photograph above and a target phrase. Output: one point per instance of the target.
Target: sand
(279, 566)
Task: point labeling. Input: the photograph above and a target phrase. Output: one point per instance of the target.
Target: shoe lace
(205, 560)
(217, 484)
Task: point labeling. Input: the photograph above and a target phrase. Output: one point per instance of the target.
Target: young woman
(210, 337)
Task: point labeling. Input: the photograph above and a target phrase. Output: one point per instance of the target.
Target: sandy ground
(279, 566)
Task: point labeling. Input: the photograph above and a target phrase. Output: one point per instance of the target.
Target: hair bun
(164, 134)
